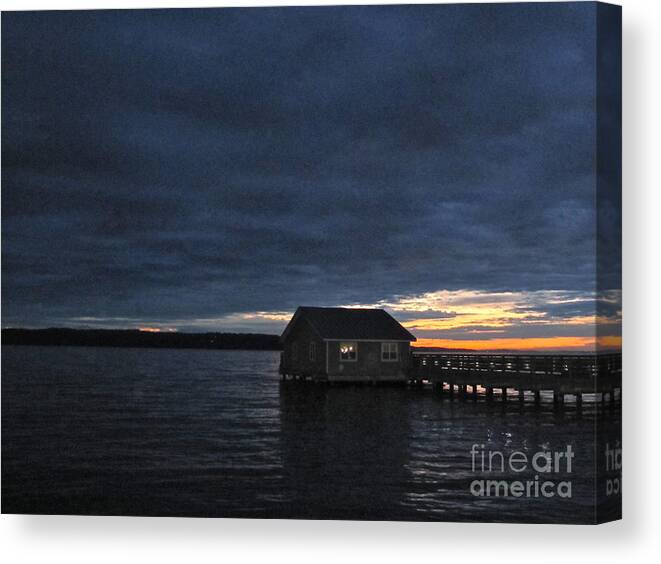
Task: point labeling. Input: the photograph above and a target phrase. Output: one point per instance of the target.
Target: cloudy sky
(201, 170)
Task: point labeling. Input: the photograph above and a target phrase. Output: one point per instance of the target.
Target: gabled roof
(350, 323)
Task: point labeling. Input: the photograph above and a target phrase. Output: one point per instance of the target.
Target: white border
(57, 539)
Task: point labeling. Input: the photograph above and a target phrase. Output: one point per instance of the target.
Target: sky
(211, 170)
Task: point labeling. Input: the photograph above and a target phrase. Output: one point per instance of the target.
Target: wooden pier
(574, 375)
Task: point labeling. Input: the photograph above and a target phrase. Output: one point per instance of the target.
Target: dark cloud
(184, 164)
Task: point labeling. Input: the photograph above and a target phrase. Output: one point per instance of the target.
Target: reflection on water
(214, 433)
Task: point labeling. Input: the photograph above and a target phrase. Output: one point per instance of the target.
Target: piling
(558, 398)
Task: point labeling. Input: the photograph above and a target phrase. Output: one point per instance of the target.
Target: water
(215, 433)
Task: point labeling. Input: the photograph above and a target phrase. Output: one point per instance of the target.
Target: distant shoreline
(134, 338)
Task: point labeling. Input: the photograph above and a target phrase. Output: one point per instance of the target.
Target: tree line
(136, 338)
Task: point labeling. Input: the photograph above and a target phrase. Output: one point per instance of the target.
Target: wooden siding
(300, 364)
(368, 366)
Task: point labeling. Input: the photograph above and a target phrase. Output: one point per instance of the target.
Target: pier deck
(562, 374)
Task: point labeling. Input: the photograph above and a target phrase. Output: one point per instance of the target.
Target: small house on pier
(345, 345)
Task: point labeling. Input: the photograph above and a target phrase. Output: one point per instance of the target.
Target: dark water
(215, 433)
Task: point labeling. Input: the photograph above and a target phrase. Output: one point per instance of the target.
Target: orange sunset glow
(541, 343)
(550, 320)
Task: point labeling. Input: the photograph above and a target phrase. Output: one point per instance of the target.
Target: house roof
(350, 323)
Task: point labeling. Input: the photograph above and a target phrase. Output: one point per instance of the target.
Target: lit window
(348, 352)
(389, 351)
(313, 352)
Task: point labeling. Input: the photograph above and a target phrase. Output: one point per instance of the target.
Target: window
(348, 352)
(313, 352)
(294, 351)
(388, 352)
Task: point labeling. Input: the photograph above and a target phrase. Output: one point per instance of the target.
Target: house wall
(300, 364)
(368, 365)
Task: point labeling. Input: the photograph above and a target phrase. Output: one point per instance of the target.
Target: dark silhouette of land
(140, 339)
(418, 349)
